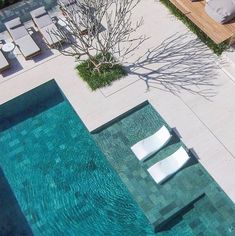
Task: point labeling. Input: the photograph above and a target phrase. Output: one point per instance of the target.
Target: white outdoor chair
(165, 168)
(148, 146)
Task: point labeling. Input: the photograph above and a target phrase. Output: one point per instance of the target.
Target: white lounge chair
(22, 38)
(45, 26)
(163, 169)
(148, 146)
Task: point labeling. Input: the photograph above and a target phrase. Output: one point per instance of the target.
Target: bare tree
(102, 28)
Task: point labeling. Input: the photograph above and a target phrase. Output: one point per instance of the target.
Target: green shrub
(2, 3)
(216, 48)
(107, 75)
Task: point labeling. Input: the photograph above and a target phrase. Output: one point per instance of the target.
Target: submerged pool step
(160, 223)
(210, 221)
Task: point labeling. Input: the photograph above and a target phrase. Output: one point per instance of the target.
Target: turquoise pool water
(57, 182)
(54, 180)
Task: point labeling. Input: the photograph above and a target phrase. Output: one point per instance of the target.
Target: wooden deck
(196, 13)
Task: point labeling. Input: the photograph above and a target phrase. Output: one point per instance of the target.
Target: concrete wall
(22, 106)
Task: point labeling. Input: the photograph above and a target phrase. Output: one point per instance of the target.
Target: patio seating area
(29, 43)
(195, 11)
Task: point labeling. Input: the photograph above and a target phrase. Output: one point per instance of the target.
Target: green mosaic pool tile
(14, 143)
(167, 209)
(16, 151)
(61, 180)
(207, 214)
(175, 193)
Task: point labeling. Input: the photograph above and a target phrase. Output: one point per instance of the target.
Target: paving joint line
(207, 128)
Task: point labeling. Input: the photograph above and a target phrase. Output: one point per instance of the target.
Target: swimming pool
(56, 180)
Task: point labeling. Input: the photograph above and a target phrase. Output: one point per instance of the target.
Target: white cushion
(221, 11)
(148, 146)
(13, 23)
(27, 46)
(38, 12)
(165, 168)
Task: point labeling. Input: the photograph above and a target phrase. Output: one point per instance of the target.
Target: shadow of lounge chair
(4, 64)
(66, 2)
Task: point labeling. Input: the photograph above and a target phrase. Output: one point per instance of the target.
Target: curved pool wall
(54, 175)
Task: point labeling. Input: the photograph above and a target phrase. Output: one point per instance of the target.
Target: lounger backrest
(41, 17)
(175, 161)
(157, 139)
(161, 134)
(148, 146)
(165, 168)
(221, 11)
(16, 28)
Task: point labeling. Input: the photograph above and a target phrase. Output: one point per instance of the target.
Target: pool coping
(193, 116)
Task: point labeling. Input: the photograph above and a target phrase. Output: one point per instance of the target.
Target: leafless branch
(103, 27)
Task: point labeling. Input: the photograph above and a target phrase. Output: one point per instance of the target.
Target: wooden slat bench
(195, 11)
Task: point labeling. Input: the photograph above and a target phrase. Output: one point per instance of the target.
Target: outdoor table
(9, 48)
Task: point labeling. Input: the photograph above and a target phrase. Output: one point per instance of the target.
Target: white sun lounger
(22, 38)
(45, 26)
(163, 169)
(148, 146)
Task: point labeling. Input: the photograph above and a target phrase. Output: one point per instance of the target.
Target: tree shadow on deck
(179, 63)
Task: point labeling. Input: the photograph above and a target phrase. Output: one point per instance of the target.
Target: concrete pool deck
(207, 125)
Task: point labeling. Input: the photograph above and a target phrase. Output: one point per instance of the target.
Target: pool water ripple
(62, 182)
